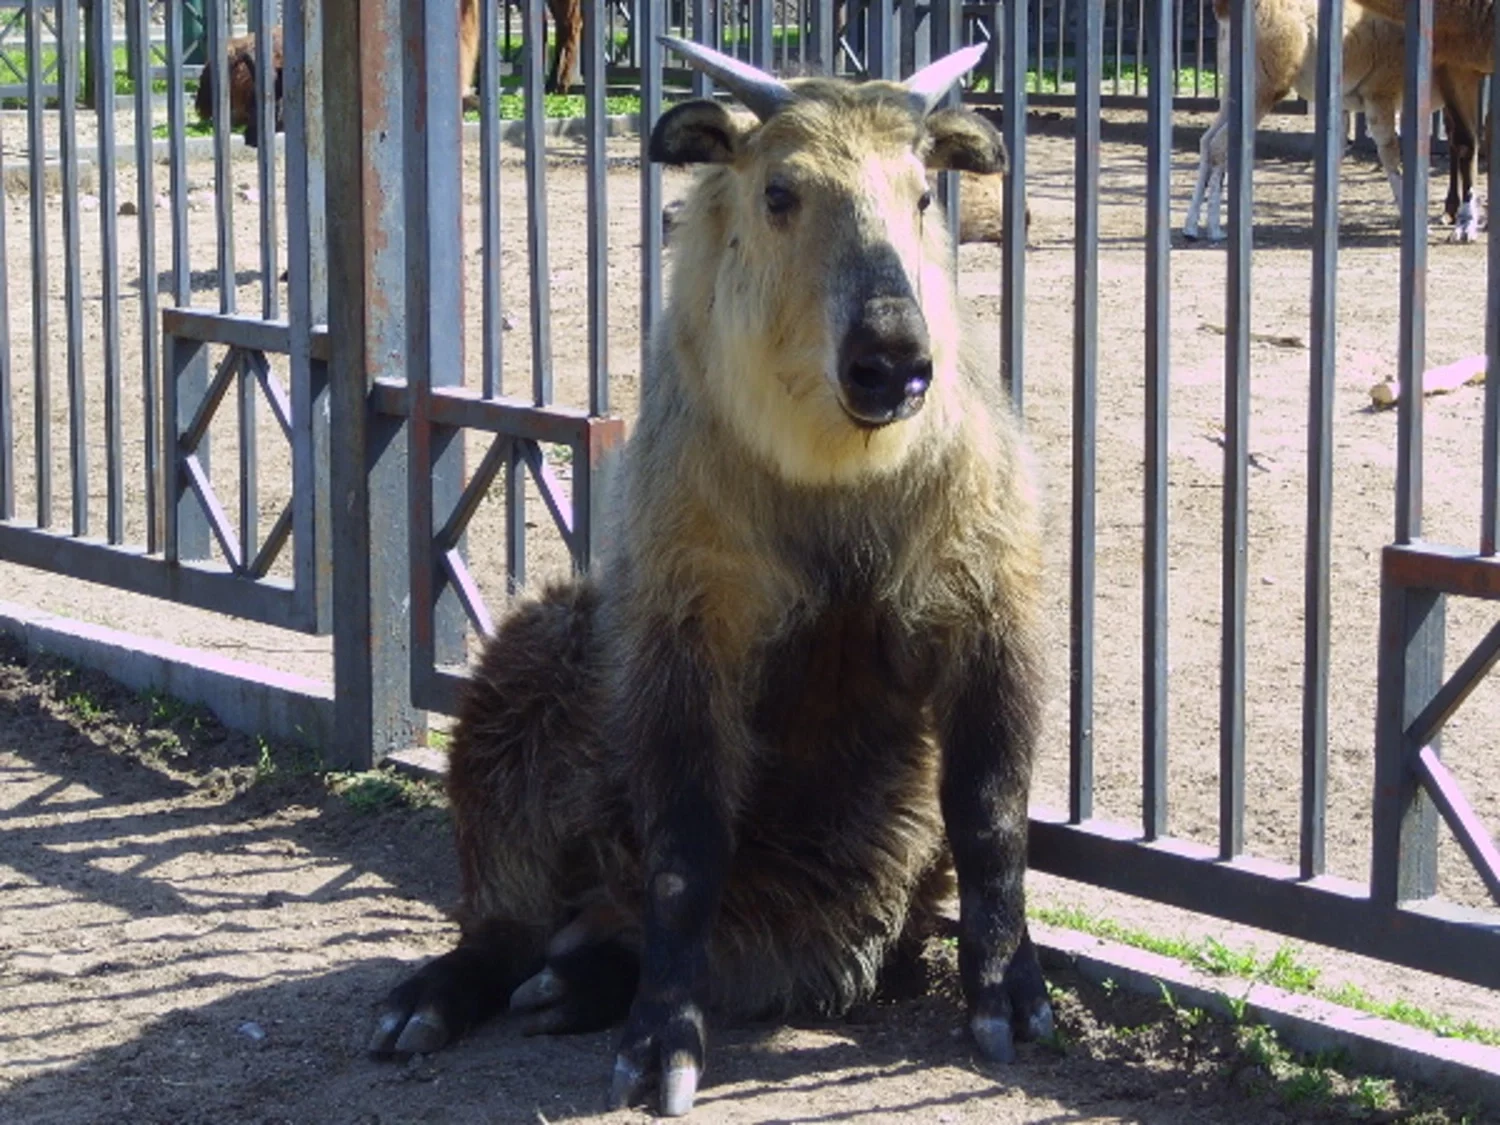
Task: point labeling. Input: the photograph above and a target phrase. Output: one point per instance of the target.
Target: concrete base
(245, 697)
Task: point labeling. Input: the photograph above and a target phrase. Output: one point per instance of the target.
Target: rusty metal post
(364, 114)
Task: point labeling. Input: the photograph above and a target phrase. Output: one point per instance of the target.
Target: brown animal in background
(1463, 51)
(737, 770)
(567, 19)
(241, 71)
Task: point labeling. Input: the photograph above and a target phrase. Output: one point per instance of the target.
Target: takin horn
(759, 92)
(932, 83)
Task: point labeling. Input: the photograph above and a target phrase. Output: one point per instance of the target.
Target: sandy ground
(150, 913)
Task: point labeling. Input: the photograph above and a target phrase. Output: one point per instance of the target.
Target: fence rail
(404, 420)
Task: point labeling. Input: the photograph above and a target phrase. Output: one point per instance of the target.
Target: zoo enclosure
(361, 366)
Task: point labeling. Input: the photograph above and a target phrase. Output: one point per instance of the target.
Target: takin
(741, 769)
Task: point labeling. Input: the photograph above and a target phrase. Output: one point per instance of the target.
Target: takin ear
(963, 141)
(695, 132)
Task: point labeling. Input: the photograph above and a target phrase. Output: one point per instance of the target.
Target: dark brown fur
(241, 70)
(738, 771)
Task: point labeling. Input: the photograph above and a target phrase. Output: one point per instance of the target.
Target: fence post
(1405, 823)
(364, 113)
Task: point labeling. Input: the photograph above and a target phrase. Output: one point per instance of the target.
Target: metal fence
(395, 412)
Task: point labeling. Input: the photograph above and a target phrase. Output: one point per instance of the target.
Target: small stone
(506, 323)
(250, 195)
(88, 202)
(129, 208)
(252, 1031)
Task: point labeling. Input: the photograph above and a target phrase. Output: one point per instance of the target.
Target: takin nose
(885, 365)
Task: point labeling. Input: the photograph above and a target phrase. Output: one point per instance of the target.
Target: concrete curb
(245, 697)
(1305, 1024)
(18, 175)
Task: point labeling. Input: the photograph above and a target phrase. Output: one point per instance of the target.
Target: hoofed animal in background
(740, 769)
(567, 30)
(567, 16)
(1463, 52)
(241, 71)
(1286, 48)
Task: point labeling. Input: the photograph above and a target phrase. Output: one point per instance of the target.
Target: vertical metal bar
(1013, 267)
(1323, 332)
(492, 345)
(946, 28)
(188, 534)
(41, 391)
(1411, 356)
(761, 35)
(515, 515)
(598, 203)
(263, 16)
(1198, 55)
(651, 66)
(362, 44)
(102, 26)
(1489, 520)
(1119, 46)
(182, 274)
(307, 304)
(825, 32)
(1154, 631)
(434, 313)
(906, 44)
(1140, 45)
(138, 14)
(1242, 94)
(880, 54)
(218, 19)
(78, 435)
(703, 32)
(1088, 52)
(7, 403)
(1403, 863)
(1037, 63)
(536, 201)
(1062, 22)
(249, 463)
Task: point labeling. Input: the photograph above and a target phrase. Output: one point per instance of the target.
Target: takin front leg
(681, 788)
(988, 741)
(530, 828)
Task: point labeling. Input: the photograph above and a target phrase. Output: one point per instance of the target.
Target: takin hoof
(584, 989)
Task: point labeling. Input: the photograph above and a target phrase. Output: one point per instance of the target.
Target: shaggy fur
(1463, 37)
(737, 773)
(981, 210)
(1286, 46)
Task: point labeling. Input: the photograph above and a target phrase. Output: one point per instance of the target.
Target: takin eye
(925, 202)
(780, 200)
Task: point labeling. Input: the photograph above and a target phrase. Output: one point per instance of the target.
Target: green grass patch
(382, 790)
(1281, 969)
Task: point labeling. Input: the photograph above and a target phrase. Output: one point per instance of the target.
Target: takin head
(813, 293)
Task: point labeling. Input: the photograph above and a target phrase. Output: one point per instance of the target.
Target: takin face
(812, 278)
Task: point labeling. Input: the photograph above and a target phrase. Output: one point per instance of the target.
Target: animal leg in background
(1460, 93)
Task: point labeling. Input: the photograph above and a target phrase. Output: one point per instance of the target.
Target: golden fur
(803, 683)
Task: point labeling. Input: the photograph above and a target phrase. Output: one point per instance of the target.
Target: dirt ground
(181, 944)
